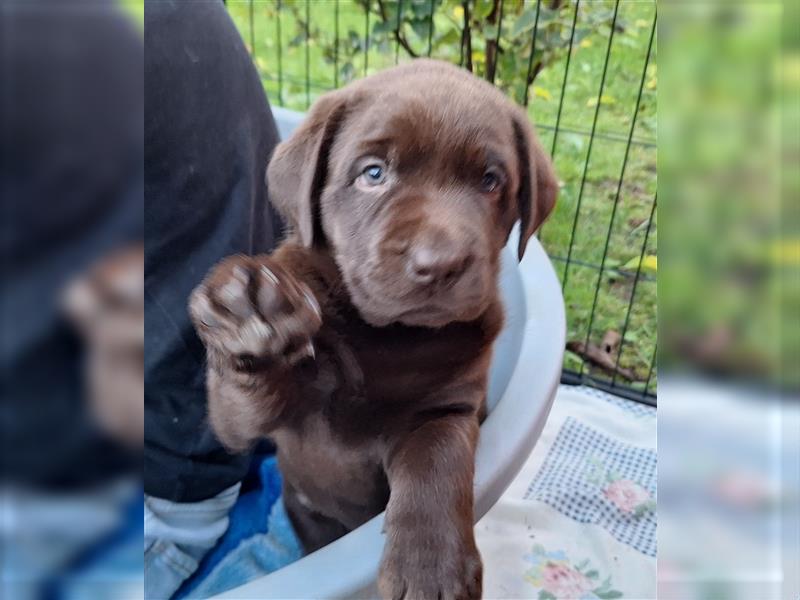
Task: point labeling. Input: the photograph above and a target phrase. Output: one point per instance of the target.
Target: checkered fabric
(575, 474)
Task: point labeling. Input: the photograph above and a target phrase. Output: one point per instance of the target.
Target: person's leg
(47, 532)
(178, 535)
(208, 136)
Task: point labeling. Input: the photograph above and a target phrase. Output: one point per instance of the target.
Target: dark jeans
(209, 134)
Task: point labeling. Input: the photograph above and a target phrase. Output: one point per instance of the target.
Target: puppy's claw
(311, 302)
(202, 310)
(267, 272)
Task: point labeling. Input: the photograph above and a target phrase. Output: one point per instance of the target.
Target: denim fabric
(176, 537)
(255, 557)
(85, 544)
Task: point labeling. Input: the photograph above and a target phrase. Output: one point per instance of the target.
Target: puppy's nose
(437, 261)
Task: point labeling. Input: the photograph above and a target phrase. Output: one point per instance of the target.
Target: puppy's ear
(538, 186)
(297, 173)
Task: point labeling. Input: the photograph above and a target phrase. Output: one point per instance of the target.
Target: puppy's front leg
(430, 546)
(257, 320)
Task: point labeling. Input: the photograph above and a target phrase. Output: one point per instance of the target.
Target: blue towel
(259, 540)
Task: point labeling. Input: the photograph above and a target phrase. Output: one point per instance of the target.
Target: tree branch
(466, 37)
(492, 45)
(600, 358)
(398, 35)
(535, 71)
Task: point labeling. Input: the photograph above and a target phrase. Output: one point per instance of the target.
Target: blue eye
(374, 174)
(490, 181)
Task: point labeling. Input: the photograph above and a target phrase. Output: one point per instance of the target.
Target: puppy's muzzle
(437, 260)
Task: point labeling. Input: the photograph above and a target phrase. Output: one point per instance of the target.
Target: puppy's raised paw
(434, 568)
(255, 314)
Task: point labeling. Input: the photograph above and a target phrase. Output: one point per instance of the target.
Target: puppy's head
(413, 179)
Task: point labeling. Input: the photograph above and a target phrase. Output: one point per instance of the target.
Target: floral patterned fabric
(558, 577)
(593, 478)
(579, 522)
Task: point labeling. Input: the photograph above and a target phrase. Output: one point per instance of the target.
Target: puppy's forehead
(433, 122)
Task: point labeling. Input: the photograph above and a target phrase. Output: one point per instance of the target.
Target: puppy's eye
(374, 174)
(490, 182)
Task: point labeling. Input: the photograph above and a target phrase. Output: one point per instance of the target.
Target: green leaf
(593, 574)
(580, 34)
(649, 264)
(582, 565)
(391, 13)
(490, 31)
(347, 71)
(545, 595)
(421, 28)
(609, 595)
(450, 37)
(421, 9)
(524, 23)
(605, 99)
(380, 27)
(644, 508)
(297, 40)
(482, 9)
(354, 39)
(605, 587)
(548, 14)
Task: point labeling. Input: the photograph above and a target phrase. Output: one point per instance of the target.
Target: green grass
(627, 59)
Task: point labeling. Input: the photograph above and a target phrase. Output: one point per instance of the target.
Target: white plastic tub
(525, 374)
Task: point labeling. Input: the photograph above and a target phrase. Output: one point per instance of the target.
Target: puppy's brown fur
(362, 344)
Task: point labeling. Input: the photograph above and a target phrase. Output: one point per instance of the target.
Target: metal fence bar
(280, 52)
(652, 367)
(611, 137)
(564, 81)
(581, 263)
(533, 51)
(308, 54)
(397, 31)
(633, 289)
(497, 42)
(430, 28)
(619, 183)
(366, 36)
(565, 276)
(466, 40)
(336, 44)
(572, 378)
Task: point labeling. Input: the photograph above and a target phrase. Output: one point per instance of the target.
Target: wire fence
(586, 71)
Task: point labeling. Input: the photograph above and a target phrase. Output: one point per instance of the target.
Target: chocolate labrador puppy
(361, 346)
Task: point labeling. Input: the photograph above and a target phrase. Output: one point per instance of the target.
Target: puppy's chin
(434, 317)
(430, 317)
(381, 309)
